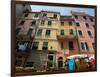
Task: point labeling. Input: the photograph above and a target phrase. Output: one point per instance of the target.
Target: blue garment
(71, 64)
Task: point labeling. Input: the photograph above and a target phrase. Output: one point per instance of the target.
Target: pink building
(85, 31)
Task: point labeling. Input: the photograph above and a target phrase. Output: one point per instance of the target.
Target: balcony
(25, 36)
(66, 35)
(23, 47)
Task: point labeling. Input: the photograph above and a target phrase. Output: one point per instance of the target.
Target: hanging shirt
(22, 47)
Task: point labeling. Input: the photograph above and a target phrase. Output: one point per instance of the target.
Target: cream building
(45, 44)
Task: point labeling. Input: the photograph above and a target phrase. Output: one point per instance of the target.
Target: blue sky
(63, 10)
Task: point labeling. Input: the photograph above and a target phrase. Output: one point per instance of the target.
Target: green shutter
(36, 44)
(62, 32)
(45, 44)
(39, 32)
(47, 32)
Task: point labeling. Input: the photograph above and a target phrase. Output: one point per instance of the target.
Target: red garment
(92, 61)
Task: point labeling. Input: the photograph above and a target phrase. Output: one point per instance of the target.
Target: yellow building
(45, 44)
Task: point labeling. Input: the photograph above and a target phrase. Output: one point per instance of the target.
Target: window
(47, 33)
(39, 32)
(62, 32)
(18, 30)
(51, 47)
(80, 33)
(26, 14)
(71, 47)
(55, 15)
(33, 22)
(18, 62)
(44, 14)
(77, 24)
(26, 11)
(19, 56)
(91, 19)
(70, 23)
(30, 32)
(61, 45)
(89, 33)
(93, 26)
(49, 23)
(71, 31)
(86, 45)
(50, 57)
(35, 45)
(45, 46)
(93, 45)
(62, 23)
(22, 22)
(84, 17)
(82, 46)
(87, 25)
(76, 17)
(29, 64)
(42, 22)
(23, 5)
(36, 15)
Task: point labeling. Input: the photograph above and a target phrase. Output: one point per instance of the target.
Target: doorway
(60, 62)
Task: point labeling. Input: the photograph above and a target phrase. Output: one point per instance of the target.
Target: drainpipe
(79, 50)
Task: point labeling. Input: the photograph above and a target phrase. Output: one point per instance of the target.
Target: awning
(92, 57)
(77, 56)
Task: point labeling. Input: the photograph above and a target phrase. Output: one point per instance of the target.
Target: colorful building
(45, 39)
(25, 32)
(86, 32)
(45, 44)
(67, 39)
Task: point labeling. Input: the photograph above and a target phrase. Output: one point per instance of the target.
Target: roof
(79, 13)
(66, 18)
(50, 11)
(34, 12)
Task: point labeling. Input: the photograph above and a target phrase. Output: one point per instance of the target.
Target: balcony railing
(23, 35)
(67, 34)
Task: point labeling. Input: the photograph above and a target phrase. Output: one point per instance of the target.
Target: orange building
(67, 40)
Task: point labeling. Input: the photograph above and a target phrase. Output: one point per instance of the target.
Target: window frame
(30, 31)
(44, 46)
(62, 23)
(48, 32)
(81, 35)
(70, 23)
(89, 33)
(26, 15)
(84, 17)
(62, 32)
(77, 24)
(39, 32)
(33, 22)
(87, 25)
(71, 45)
(42, 22)
(35, 45)
(18, 30)
(49, 23)
(76, 17)
(55, 15)
(22, 22)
